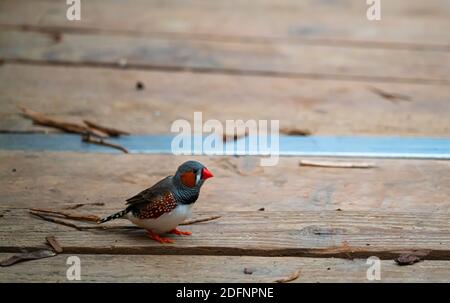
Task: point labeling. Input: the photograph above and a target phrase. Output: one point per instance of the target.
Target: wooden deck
(316, 65)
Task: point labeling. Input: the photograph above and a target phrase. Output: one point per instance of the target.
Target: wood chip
(43, 120)
(407, 259)
(89, 139)
(290, 278)
(139, 85)
(26, 256)
(113, 132)
(335, 164)
(295, 132)
(389, 96)
(189, 222)
(248, 271)
(51, 240)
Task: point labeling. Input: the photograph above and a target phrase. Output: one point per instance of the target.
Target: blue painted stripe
(384, 147)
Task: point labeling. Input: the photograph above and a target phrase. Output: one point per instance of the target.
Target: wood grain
(281, 59)
(323, 107)
(103, 268)
(50, 180)
(403, 21)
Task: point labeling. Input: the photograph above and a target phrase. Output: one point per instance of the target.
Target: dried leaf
(26, 256)
(407, 259)
(290, 278)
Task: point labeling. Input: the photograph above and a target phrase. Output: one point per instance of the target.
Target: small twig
(54, 220)
(89, 139)
(189, 222)
(107, 130)
(51, 240)
(85, 204)
(337, 164)
(41, 119)
(85, 218)
(92, 218)
(290, 278)
(105, 227)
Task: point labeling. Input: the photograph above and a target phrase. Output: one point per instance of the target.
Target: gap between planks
(226, 71)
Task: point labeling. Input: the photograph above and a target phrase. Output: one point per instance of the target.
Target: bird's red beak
(206, 174)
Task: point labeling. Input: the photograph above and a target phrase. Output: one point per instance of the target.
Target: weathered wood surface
(404, 203)
(200, 55)
(103, 268)
(414, 23)
(281, 59)
(108, 96)
(344, 234)
(240, 184)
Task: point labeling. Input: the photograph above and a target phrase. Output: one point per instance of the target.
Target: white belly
(165, 222)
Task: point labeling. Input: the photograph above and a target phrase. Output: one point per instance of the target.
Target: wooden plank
(344, 234)
(108, 96)
(282, 59)
(55, 180)
(402, 21)
(103, 268)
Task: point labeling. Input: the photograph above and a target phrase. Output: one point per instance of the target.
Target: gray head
(191, 175)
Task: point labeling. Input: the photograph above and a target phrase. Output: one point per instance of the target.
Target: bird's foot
(156, 237)
(180, 232)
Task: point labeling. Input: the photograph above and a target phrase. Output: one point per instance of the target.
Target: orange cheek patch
(188, 179)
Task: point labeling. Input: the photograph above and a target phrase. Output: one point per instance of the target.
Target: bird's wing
(151, 194)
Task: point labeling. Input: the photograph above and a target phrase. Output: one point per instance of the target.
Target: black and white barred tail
(117, 215)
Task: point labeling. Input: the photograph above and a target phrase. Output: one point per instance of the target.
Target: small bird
(162, 207)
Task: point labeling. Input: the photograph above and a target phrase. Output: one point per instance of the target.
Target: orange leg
(156, 237)
(180, 232)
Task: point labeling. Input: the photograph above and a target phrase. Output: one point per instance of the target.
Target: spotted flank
(162, 204)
